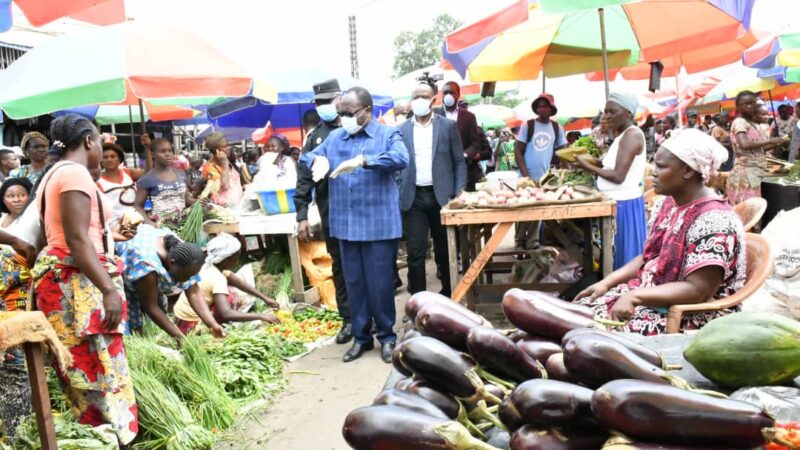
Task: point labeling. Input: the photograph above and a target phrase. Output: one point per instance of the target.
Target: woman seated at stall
(117, 181)
(159, 265)
(165, 187)
(695, 250)
(227, 296)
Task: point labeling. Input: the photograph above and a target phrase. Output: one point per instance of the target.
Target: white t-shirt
(28, 227)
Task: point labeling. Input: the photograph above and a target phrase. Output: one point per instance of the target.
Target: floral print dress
(683, 239)
(744, 181)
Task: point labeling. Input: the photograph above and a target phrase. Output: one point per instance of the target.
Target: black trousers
(417, 221)
(338, 273)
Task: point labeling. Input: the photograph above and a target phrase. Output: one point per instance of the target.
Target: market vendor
(751, 142)
(34, 146)
(695, 251)
(221, 170)
(118, 182)
(227, 297)
(622, 175)
(159, 265)
(165, 187)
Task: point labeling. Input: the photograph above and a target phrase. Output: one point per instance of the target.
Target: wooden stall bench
(497, 222)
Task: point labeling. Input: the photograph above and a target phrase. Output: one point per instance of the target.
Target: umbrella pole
(147, 155)
(601, 13)
(772, 106)
(678, 95)
(133, 137)
(544, 78)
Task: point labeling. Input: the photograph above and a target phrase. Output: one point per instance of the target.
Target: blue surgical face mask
(449, 100)
(421, 106)
(327, 112)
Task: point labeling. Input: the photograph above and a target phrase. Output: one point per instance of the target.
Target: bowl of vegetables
(583, 146)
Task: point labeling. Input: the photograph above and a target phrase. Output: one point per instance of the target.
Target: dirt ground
(322, 390)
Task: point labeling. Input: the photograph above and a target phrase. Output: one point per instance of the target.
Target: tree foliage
(414, 51)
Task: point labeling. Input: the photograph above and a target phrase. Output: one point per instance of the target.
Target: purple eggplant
(446, 402)
(538, 348)
(389, 427)
(551, 403)
(556, 370)
(563, 304)
(541, 318)
(445, 368)
(656, 413)
(396, 363)
(420, 299)
(445, 324)
(509, 415)
(495, 351)
(403, 383)
(410, 401)
(595, 360)
(496, 391)
(518, 335)
(410, 334)
(622, 443)
(648, 354)
(531, 438)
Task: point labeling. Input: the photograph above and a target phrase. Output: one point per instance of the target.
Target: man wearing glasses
(326, 95)
(364, 214)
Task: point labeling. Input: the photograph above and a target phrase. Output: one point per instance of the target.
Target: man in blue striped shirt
(364, 214)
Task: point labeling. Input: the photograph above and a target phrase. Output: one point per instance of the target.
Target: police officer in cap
(326, 94)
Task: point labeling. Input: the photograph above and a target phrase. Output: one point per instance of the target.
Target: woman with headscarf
(226, 296)
(750, 143)
(220, 170)
(35, 146)
(695, 251)
(622, 175)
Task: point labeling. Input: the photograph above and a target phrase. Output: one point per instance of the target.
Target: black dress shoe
(386, 352)
(345, 335)
(357, 350)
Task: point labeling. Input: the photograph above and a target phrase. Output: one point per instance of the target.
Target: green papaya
(747, 349)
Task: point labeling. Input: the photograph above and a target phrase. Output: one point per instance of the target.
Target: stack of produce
(526, 196)
(308, 325)
(70, 435)
(558, 382)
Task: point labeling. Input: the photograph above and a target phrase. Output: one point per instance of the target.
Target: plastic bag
(781, 402)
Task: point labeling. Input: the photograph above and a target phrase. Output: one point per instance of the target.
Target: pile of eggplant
(559, 381)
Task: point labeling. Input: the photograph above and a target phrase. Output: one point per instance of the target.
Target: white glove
(348, 166)
(320, 168)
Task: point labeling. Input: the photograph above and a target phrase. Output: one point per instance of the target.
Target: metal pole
(678, 95)
(351, 22)
(147, 156)
(544, 78)
(769, 92)
(133, 137)
(601, 13)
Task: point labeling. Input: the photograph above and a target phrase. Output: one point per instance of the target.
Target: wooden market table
(31, 330)
(257, 224)
(499, 222)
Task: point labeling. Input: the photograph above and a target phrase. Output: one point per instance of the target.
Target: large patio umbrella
(127, 63)
(116, 114)
(777, 55)
(495, 116)
(558, 37)
(294, 95)
(42, 12)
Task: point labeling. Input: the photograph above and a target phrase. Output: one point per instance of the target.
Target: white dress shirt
(452, 115)
(423, 151)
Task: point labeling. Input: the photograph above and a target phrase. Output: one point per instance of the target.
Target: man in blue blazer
(436, 173)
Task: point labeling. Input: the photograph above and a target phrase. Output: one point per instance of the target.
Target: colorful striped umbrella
(294, 97)
(121, 63)
(495, 116)
(115, 114)
(530, 37)
(42, 12)
(777, 56)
